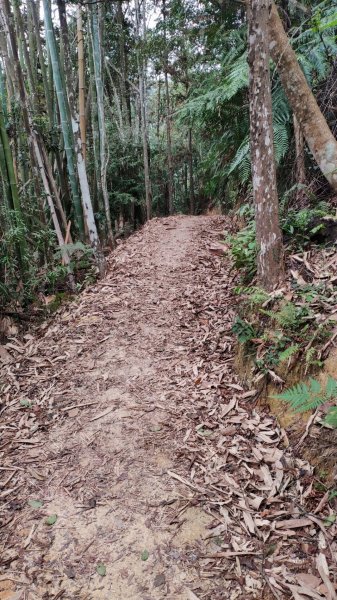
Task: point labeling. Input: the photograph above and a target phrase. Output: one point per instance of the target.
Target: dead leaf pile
(272, 532)
(270, 524)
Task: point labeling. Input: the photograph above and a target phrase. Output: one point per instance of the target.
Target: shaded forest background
(114, 112)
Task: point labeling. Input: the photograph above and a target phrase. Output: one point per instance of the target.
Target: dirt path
(123, 418)
(102, 467)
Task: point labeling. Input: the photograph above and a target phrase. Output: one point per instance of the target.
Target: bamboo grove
(114, 112)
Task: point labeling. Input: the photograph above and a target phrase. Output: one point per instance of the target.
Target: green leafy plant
(288, 353)
(243, 248)
(243, 330)
(303, 397)
(289, 316)
(253, 296)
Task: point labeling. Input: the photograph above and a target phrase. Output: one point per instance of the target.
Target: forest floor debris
(134, 465)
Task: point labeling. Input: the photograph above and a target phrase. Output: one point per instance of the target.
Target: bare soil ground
(133, 464)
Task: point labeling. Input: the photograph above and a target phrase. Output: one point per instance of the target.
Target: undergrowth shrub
(278, 332)
(244, 251)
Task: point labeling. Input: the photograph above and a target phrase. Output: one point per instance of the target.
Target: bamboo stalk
(81, 80)
(13, 194)
(64, 114)
(97, 60)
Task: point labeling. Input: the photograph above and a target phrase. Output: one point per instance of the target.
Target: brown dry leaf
(308, 580)
(247, 516)
(191, 595)
(293, 523)
(303, 592)
(5, 357)
(323, 569)
(74, 412)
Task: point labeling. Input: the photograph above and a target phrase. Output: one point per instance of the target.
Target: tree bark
(124, 83)
(81, 81)
(299, 158)
(168, 120)
(268, 233)
(148, 192)
(36, 22)
(302, 101)
(66, 126)
(190, 172)
(97, 61)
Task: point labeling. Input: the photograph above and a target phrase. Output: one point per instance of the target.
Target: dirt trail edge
(133, 465)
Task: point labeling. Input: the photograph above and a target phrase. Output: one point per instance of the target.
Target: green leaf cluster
(303, 397)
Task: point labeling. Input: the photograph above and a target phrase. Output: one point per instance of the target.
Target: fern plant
(244, 250)
(303, 397)
(288, 352)
(290, 316)
(243, 330)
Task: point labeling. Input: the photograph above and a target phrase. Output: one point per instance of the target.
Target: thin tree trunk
(65, 53)
(81, 81)
(148, 192)
(21, 35)
(299, 164)
(48, 98)
(158, 108)
(169, 146)
(94, 126)
(73, 133)
(124, 85)
(97, 60)
(168, 120)
(268, 233)
(18, 80)
(53, 186)
(13, 194)
(88, 211)
(302, 101)
(64, 114)
(190, 171)
(59, 235)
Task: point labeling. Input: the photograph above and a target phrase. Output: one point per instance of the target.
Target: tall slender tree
(59, 82)
(81, 80)
(313, 125)
(168, 113)
(141, 78)
(268, 232)
(96, 42)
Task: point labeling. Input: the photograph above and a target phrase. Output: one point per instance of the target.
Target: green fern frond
(331, 417)
(331, 388)
(286, 317)
(303, 397)
(309, 355)
(288, 352)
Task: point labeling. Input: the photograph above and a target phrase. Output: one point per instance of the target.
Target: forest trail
(165, 481)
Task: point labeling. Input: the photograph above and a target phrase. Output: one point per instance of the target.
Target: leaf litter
(269, 534)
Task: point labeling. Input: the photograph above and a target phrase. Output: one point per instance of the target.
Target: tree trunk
(268, 233)
(302, 101)
(168, 120)
(12, 191)
(49, 101)
(190, 171)
(158, 109)
(148, 193)
(97, 60)
(124, 84)
(299, 164)
(21, 35)
(81, 81)
(63, 105)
